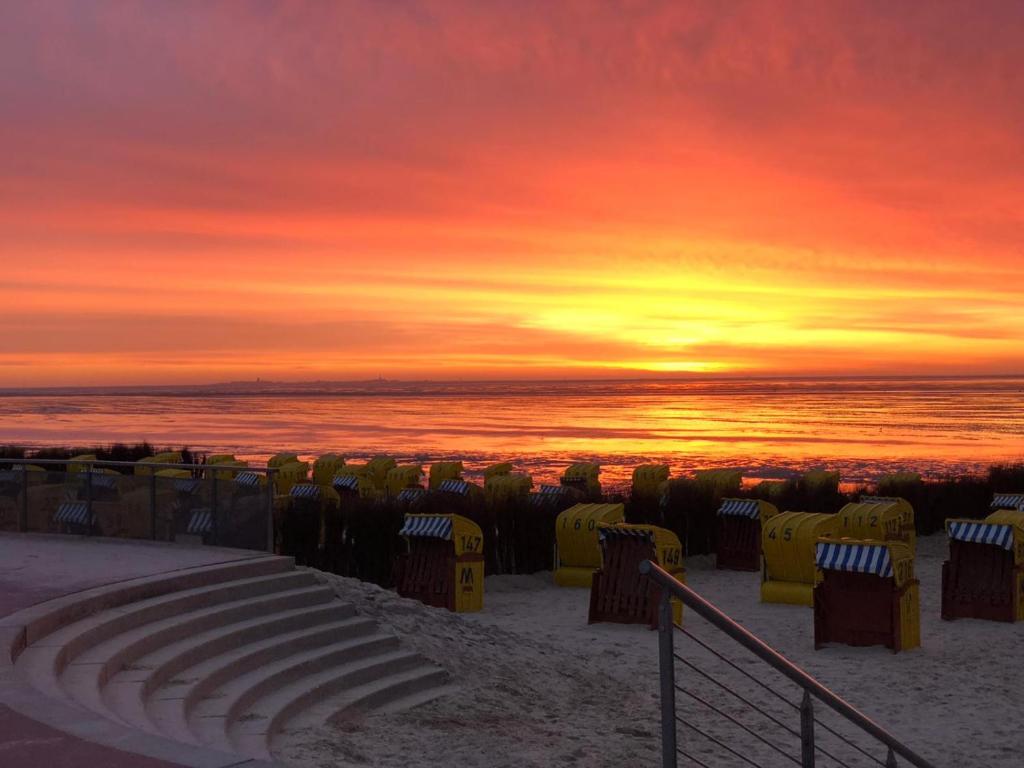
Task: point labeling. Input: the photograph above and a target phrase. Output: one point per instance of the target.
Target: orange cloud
(192, 192)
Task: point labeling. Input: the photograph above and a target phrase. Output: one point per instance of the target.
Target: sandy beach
(538, 686)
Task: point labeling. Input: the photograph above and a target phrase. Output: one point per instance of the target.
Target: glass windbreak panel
(119, 504)
(10, 498)
(30, 496)
(53, 505)
(226, 507)
(242, 506)
(181, 503)
(73, 501)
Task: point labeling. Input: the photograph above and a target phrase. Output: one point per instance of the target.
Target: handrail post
(88, 499)
(668, 681)
(152, 506)
(214, 521)
(807, 731)
(23, 512)
(270, 510)
(890, 760)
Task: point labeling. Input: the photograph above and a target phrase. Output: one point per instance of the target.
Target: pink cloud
(508, 157)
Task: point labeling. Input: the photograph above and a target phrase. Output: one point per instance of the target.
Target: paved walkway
(36, 568)
(25, 743)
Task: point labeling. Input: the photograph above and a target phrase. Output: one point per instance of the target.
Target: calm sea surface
(769, 428)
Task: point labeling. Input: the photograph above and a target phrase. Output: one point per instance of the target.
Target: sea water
(767, 427)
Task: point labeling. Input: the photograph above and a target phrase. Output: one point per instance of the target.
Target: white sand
(538, 686)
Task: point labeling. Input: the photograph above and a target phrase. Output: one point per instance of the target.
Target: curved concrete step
(85, 678)
(409, 701)
(224, 656)
(45, 659)
(167, 707)
(212, 718)
(173, 671)
(378, 678)
(42, 620)
(102, 637)
(395, 692)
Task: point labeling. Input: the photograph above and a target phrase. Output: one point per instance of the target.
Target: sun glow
(696, 199)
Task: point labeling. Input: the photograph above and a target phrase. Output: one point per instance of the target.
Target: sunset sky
(200, 192)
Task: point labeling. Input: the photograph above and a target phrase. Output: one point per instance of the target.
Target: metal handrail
(706, 610)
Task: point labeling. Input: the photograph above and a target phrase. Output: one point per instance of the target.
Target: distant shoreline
(426, 387)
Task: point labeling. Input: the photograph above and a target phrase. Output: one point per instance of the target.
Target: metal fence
(743, 717)
(216, 504)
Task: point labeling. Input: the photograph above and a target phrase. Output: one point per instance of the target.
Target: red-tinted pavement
(25, 743)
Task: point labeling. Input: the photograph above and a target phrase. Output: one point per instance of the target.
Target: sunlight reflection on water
(767, 427)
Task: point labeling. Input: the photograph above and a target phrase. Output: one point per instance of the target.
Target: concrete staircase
(228, 657)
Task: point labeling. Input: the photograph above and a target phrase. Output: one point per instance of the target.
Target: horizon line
(682, 377)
